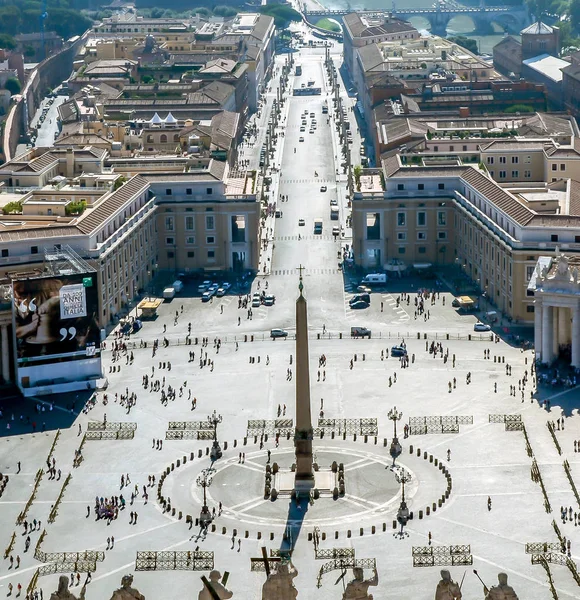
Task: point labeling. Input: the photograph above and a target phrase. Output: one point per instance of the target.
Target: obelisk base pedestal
(324, 480)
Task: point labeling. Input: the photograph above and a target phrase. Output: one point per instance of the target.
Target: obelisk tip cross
(300, 284)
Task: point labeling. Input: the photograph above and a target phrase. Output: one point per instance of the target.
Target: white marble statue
(279, 585)
(358, 588)
(503, 591)
(447, 589)
(218, 588)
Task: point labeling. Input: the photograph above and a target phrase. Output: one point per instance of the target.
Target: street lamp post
(403, 512)
(204, 481)
(395, 451)
(216, 451)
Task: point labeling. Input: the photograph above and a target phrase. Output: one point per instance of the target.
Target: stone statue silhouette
(63, 593)
(358, 588)
(218, 587)
(447, 589)
(503, 591)
(279, 585)
(126, 592)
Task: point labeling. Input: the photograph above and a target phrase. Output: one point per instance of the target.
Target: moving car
(363, 289)
(359, 304)
(323, 188)
(336, 230)
(398, 351)
(360, 332)
(302, 129)
(276, 333)
(269, 300)
(333, 202)
(256, 301)
(301, 222)
(301, 139)
(479, 326)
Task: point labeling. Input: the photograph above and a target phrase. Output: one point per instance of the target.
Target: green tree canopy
(13, 85)
(282, 14)
(465, 42)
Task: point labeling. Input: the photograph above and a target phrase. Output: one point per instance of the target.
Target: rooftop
(547, 65)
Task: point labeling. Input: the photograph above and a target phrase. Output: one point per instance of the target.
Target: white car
(301, 139)
(479, 326)
(226, 286)
(302, 129)
(203, 287)
(220, 292)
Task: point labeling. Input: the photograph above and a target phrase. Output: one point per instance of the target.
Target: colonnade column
(576, 337)
(546, 334)
(538, 329)
(5, 350)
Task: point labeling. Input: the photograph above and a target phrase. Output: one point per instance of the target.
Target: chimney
(70, 163)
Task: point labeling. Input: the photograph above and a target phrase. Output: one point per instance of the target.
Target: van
(360, 332)
(169, 293)
(334, 214)
(177, 286)
(374, 278)
(317, 226)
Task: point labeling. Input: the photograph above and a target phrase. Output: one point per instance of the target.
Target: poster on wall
(57, 336)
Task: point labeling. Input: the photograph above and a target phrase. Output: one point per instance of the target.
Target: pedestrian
(88, 512)
(18, 471)
(17, 561)
(112, 542)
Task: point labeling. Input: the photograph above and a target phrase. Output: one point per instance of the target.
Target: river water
(461, 25)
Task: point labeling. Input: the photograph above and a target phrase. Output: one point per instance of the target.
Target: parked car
(220, 292)
(256, 301)
(363, 289)
(226, 285)
(479, 326)
(333, 202)
(276, 333)
(398, 351)
(359, 304)
(323, 188)
(269, 300)
(301, 139)
(203, 287)
(455, 303)
(358, 297)
(206, 296)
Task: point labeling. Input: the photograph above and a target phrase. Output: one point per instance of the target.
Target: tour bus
(318, 226)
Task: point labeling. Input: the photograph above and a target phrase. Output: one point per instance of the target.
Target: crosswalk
(306, 271)
(312, 180)
(392, 303)
(291, 238)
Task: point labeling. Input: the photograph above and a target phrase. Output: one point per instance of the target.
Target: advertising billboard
(57, 337)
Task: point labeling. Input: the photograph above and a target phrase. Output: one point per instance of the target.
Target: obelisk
(304, 477)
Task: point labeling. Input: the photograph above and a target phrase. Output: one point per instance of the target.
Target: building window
(168, 223)
(189, 223)
(529, 272)
(554, 237)
(5, 253)
(402, 250)
(515, 160)
(441, 186)
(209, 222)
(490, 160)
(422, 236)
(401, 219)
(169, 241)
(554, 167)
(528, 159)
(420, 186)
(464, 148)
(435, 148)
(530, 308)
(191, 254)
(502, 160)
(562, 167)
(422, 250)
(502, 174)
(577, 239)
(34, 250)
(168, 192)
(527, 174)
(211, 253)
(401, 236)
(190, 240)
(189, 191)
(209, 191)
(515, 174)
(210, 239)
(400, 186)
(421, 218)
(171, 254)
(441, 218)
(451, 148)
(441, 235)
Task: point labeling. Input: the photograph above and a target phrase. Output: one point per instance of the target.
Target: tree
(147, 79)
(13, 85)
(282, 14)
(575, 13)
(7, 41)
(225, 11)
(465, 42)
(12, 208)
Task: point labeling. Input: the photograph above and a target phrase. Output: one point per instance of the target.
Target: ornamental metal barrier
(119, 434)
(343, 564)
(270, 427)
(512, 422)
(542, 547)
(110, 426)
(174, 561)
(189, 434)
(350, 426)
(194, 425)
(445, 556)
(81, 566)
(438, 424)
